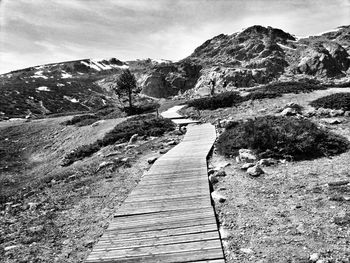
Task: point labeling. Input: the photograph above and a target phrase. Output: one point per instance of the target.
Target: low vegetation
(281, 137)
(269, 91)
(222, 100)
(337, 101)
(143, 125)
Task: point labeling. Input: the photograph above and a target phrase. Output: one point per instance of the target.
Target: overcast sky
(35, 32)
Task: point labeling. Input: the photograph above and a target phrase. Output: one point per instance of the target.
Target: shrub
(259, 95)
(335, 101)
(142, 125)
(292, 87)
(222, 100)
(81, 120)
(144, 107)
(281, 137)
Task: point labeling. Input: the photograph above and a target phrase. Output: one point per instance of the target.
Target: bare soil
(296, 211)
(50, 213)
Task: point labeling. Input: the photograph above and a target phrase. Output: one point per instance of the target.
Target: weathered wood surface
(168, 217)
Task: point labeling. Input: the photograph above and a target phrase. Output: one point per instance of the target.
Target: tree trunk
(130, 100)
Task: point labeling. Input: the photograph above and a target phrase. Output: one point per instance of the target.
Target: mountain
(256, 55)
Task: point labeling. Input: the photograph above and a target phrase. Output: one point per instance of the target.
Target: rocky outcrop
(324, 60)
(155, 85)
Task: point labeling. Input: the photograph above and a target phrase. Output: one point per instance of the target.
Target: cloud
(41, 31)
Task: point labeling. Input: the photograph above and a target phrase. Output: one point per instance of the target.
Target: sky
(34, 32)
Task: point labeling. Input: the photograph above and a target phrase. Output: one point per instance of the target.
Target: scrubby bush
(259, 95)
(281, 137)
(292, 87)
(142, 108)
(222, 100)
(337, 101)
(81, 120)
(142, 125)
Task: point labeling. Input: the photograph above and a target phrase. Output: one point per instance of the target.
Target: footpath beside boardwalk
(168, 217)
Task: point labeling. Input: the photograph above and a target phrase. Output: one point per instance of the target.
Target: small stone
(255, 171)
(289, 112)
(333, 121)
(267, 161)
(247, 250)
(32, 205)
(211, 171)
(218, 197)
(220, 173)
(314, 257)
(133, 139)
(171, 143)
(247, 165)
(104, 164)
(130, 146)
(11, 247)
(213, 179)
(247, 155)
(152, 160)
(224, 233)
(36, 229)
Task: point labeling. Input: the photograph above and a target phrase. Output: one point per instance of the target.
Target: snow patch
(39, 74)
(74, 100)
(65, 75)
(43, 88)
(284, 46)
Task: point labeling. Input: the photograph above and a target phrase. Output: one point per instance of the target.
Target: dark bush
(259, 95)
(222, 100)
(302, 86)
(82, 120)
(142, 108)
(335, 101)
(146, 125)
(281, 137)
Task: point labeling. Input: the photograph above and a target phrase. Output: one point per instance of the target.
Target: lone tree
(126, 83)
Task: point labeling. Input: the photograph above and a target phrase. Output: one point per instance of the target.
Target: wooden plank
(156, 233)
(156, 250)
(167, 225)
(168, 217)
(179, 257)
(146, 242)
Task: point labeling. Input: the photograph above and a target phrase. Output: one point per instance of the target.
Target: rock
(172, 142)
(213, 179)
(247, 250)
(125, 159)
(336, 113)
(342, 219)
(247, 165)
(289, 112)
(314, 257)
(211, 171)
(104, 164)
(333, 121)
(133, 139)
(220, 173)
(247, 155)
(267, 161)
(32, 205)
(178, 132)
(217, 197)
(152, 160)
(36, 229)
(130, 146)
(163, 151)
(11, 247)
(155, 85)
(95, 124)
(347, 114)
(255, 171)
(224, 233)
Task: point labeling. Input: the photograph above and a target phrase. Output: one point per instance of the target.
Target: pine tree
(126, 83)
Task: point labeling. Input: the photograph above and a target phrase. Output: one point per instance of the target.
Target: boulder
(155, 85)
(152, 160)
(289, 112)
(213, 179)
(255, 171)
(246, 155)
(267, 162)
(220, 173)
(217, 197)
(133, 139)
(246, 166)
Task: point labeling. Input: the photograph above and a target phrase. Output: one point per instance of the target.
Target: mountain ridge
(254, 56)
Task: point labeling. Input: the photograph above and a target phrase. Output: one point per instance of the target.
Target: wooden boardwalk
(168, 217)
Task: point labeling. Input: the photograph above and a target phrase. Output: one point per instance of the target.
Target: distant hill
(254, 56)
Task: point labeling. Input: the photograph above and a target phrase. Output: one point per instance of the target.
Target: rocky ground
(294, 211)
(51, 213)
